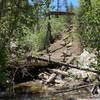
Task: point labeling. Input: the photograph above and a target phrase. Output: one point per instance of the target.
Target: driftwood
(58, 71)
(51, 78)
(72, 89)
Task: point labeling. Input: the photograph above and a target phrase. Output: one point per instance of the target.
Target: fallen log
(72, 89)
(51, 78)
(56, 63)
(41, 62)
(58, 71)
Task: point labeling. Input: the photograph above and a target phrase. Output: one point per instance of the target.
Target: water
(45, 96)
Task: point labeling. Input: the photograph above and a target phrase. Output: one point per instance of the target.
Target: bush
(89, 25)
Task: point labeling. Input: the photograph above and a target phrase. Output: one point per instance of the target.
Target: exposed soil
(68, 45)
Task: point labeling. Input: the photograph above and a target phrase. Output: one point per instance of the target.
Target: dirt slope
(68, 45)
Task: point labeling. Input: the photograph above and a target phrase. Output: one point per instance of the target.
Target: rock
(69, 44)
(63, 43)
(84, 61)
(66, 53)
(86, 58)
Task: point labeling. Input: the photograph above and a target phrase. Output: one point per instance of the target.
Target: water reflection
(48, 96)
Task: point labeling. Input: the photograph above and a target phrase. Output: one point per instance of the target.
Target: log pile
(58, 78)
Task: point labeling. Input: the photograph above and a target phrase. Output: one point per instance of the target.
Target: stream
(72, 95)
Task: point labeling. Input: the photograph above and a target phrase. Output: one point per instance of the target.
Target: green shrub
(89, 25)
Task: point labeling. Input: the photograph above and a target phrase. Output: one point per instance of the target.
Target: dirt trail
(68, 45)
